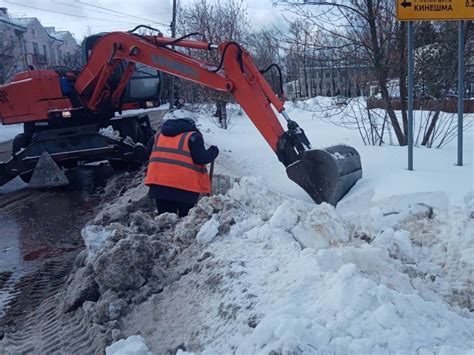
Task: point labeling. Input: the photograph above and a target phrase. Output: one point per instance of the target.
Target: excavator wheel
(19, 142)
(327, 174)
(26, 177)
(140, 156)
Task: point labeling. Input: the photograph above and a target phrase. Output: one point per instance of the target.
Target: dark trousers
(180, 208)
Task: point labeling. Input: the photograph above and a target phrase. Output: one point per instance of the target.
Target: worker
(177, 172)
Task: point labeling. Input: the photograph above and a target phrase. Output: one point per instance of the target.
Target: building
(345, 80)
(24, 43)
(11, 52)
(37, 43)
(65, 50)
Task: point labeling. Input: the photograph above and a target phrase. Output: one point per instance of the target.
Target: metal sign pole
(460, 91)
(410, 95)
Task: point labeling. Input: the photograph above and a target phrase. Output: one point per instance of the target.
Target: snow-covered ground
(263, 270)
(391, 269)
(9, 132)
(244, 152)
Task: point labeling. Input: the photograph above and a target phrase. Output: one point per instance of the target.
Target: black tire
(140, 157)
(121, 165)
(26, 177)
(69, 164)
(19, 142)
(118, 165)
(130, 128)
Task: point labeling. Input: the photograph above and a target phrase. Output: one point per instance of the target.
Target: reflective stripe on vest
(171, 165)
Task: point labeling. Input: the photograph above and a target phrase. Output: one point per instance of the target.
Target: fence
(447, 105)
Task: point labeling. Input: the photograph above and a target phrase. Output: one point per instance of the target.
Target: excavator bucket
(327, 174)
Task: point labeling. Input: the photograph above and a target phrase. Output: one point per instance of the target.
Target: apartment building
(11, 53)
(25, 42)
(345, 80)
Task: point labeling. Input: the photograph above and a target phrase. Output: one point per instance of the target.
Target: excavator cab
(144, 86)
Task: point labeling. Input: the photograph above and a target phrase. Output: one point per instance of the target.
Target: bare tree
(7, 63)
(10, 56)
(368, 30)
(266, 49)
(367, 25)
(218, 22)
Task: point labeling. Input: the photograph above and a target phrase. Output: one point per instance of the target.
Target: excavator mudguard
(327, 174)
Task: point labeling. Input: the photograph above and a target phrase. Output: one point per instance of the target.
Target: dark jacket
(199, 154)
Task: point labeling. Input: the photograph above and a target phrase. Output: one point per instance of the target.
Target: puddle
(42, 225)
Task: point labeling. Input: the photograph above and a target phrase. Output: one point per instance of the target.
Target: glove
(214, 149)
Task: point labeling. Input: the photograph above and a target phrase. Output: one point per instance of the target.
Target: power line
(64, 13)
(82, 8)
(122, 13)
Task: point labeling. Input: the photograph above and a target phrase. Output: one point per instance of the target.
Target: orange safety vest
(171, 165)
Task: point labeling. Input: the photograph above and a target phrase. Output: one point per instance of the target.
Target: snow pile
(8, 132)
(94, 239)
(293, 277)
(109, 132)
(130, 254)
(134, 345)
(262, 269)
(208, 231)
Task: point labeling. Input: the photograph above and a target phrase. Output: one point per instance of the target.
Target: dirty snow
(208, 231)
(8, 132)
(133, 345)
(94, 239)
(263, 270)
(109, 132)
(293, 277)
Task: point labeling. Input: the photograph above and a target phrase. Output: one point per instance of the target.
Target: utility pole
(460, 91)
(173, 34)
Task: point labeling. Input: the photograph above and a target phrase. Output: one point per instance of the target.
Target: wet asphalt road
(39, 226)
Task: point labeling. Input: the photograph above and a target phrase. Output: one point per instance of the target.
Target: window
(328, 74)
(44, 50)
(35, 48)
(33, 32)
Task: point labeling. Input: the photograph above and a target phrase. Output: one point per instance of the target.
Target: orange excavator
(65, 113)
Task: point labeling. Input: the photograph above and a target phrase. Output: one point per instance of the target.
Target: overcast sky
(109, 15)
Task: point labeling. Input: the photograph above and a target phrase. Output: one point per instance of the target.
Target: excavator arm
(318, 172)
(237, 75)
